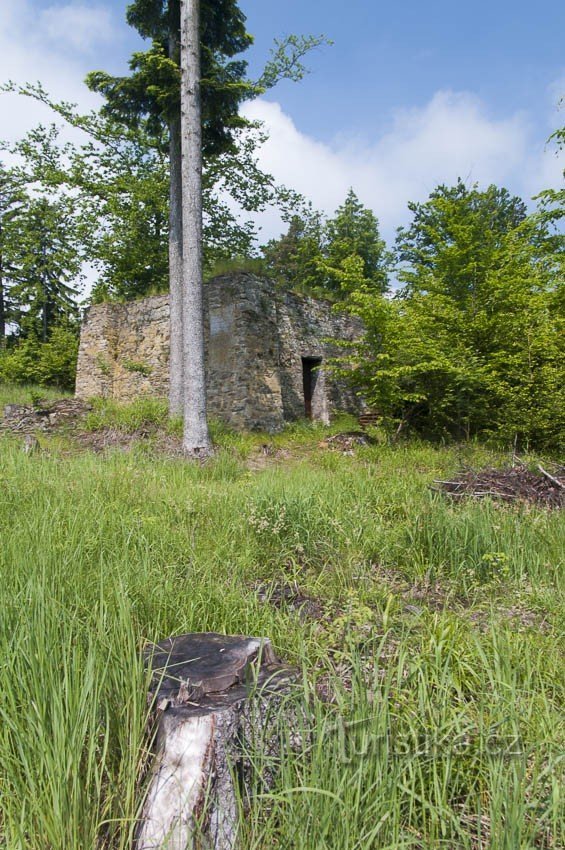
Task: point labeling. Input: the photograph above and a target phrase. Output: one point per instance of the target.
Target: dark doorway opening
(310, 367)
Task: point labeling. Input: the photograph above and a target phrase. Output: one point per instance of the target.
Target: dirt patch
(510, 484)
(419, 594)
(43, 416)
(107, 438)
(347, 442)
(519, 619)
(267, 455)
(289, 597)
(423, 594)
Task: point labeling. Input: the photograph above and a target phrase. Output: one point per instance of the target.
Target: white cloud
(80, 26)
(451, 136)
(54, 47)
(43, 46)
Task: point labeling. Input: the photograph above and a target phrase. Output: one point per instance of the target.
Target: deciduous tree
(552, 201)
(473, 345)
(119, 177)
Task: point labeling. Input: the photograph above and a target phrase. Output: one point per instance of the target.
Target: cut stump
(215, 697)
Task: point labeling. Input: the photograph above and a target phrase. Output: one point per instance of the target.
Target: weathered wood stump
(213, 696)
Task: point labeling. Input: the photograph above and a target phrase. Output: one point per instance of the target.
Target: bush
(51, 363)
(461, 354)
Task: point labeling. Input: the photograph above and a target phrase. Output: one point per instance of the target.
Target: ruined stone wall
(306, 328)
(256, 337)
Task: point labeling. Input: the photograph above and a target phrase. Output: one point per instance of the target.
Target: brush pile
(510, 484)
(43, 416)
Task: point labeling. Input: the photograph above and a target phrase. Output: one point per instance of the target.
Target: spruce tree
(46, 266)
(354, 232)
(153, 92)
(13, 200)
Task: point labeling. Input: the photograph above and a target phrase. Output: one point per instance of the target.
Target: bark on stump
(214, 696)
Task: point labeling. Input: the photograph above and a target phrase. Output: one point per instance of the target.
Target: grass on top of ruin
(429, 633)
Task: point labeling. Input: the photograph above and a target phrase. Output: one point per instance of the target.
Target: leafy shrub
(473, 345)
(51, 363)
(137, 367)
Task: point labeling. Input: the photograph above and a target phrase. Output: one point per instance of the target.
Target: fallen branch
(551, 478)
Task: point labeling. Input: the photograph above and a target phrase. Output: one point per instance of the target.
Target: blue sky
(386, 55)
(409, 95)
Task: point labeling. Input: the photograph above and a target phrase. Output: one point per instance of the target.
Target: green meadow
(428, 634)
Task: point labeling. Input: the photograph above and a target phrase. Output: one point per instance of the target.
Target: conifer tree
(294, 258)
(46, 266)
(331, 257)
(152, 91)
(354, 232)
(12, 202)
(196, 438)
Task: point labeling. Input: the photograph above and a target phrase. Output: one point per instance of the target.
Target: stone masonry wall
(256, 337)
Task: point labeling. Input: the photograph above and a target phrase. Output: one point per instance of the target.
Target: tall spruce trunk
(196, 438)
(2, 299)
(176, 394)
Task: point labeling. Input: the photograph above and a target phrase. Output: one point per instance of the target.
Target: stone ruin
(265, 353)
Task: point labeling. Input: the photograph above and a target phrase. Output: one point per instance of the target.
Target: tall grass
(439, 643)
(27, 394)
(446, 748)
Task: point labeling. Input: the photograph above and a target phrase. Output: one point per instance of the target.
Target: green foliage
(249, 265)
(119, 178)
(40, 264)
(27, 393)
(58, 357)
(152, 91)
(145, 412)
(330, 258)
(552, 201)
(103, 364)
(285, 61)
(353, 232)
(13, 200)
(46, 265)
(453, 239)
(118, 181)
(474, 343)
(50, 363)
(294, 258)
(138, 367)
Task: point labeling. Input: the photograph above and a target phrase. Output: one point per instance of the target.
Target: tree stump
(213, 696)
